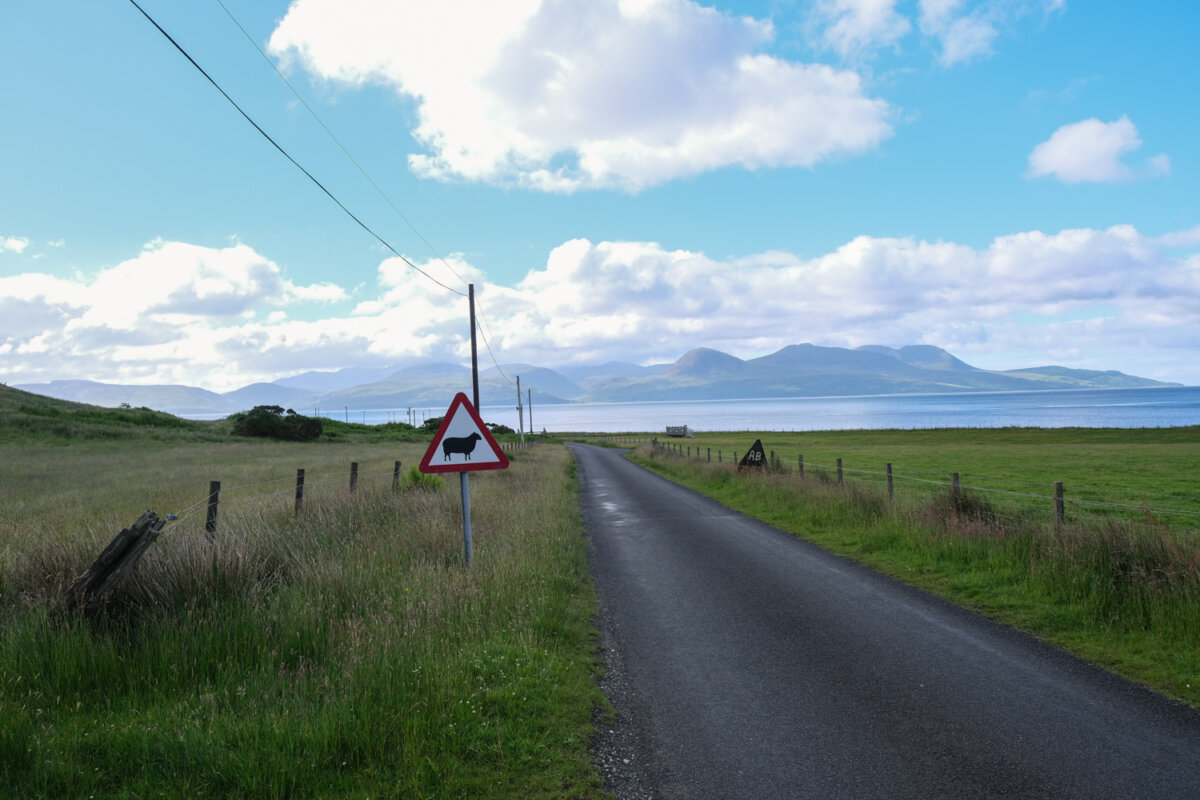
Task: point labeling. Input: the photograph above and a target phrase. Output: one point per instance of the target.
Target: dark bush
(273, 423)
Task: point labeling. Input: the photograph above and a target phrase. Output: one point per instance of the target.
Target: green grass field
(342, 652)
(346, 652)
(1118, 584)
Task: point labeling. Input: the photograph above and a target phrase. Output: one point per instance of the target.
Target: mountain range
(802, 370)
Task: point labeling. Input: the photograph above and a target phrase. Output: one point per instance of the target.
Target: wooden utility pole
(520, 412)
(474, 352)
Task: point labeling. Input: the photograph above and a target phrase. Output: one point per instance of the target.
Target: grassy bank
(1118, 584)
(341, 652)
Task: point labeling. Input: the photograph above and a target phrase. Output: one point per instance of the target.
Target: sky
(1015, 181)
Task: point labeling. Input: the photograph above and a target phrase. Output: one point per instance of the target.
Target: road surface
(746, 663)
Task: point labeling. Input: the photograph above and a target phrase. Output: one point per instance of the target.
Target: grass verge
(341, 652)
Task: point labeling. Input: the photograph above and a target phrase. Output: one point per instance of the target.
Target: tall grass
(341, 652)
(1122, 593)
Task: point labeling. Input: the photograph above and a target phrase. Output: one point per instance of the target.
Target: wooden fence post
(396, 477)
(839, 467)
(955, 486)
(87, 594)
(891, 491)
(1060, 507)
(354, 476)
(710, 455)
(210, 522)
(299, 489)
(800, 459)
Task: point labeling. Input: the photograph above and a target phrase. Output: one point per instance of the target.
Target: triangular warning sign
(462, 442)
(755, 457)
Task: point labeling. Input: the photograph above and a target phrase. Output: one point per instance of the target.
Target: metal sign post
(464, 485)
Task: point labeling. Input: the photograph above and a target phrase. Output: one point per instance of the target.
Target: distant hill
(801, 370)
(171, 398)
(590, 375)
(29, 416)
(271, 394)
(322, 382)
(807, 370)
(434, 384)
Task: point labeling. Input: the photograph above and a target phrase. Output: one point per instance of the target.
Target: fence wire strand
(938, 479)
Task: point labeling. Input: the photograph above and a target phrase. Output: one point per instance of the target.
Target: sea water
(1158, 407)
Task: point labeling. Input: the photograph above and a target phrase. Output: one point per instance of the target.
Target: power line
(338, 142)
(363, 172)
(285, 153)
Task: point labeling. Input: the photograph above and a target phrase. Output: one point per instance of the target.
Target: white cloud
(561, 96)
(857, 27)
(963, 36)
(1092, 151)
(160, 311)
(13, 244)
(967, 30)
(1099, 299)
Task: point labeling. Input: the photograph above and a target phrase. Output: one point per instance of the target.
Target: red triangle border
(428, 467)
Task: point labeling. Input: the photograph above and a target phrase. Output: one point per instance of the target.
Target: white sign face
(462, 442)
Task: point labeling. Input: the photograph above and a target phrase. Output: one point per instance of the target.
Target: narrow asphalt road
(754, 665)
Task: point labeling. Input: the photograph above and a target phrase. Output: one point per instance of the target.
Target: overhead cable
(483, 331)
(286, 155)
(338, 142)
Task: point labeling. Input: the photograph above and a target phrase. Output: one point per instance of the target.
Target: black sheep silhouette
(464, 445)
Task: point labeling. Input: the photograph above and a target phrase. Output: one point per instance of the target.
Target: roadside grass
(341, 652)
(1122, 591)
(1108, 473)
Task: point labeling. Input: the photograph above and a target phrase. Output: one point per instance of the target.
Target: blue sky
(1012, 180)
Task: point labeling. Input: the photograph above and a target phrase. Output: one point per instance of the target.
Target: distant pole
(529, 396)
(474, 352)
(520, 412)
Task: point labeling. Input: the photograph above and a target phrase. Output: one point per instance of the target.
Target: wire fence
(1010, 498)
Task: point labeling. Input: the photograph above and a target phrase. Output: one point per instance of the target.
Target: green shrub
(273, 422)
(419, 480)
